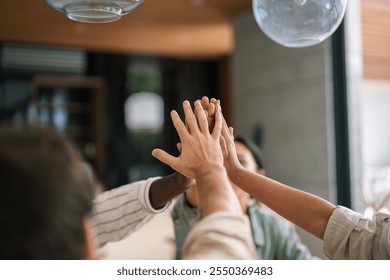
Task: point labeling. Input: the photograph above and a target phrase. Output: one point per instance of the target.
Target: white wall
(375, 116)
(376, 123)
(369, 114)
(288, 92)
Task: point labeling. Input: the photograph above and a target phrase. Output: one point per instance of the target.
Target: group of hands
(206, 140)
(207, 154)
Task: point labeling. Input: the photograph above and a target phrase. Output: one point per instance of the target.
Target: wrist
(211, 179)
(209, 168)
(215, 191)
(166, 188)
(235, 172)
(182, 181)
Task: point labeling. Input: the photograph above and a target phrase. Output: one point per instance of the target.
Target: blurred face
(245, 157)
(247, 161)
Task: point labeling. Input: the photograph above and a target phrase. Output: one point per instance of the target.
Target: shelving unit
(74, 106)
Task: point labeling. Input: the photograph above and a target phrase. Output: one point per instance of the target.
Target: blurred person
(45, 198)
(32, 151)
(274, 237)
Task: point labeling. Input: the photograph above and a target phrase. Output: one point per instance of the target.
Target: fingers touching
(198, 146)
(201, 117)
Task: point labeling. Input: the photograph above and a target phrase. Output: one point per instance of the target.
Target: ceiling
(180, 28)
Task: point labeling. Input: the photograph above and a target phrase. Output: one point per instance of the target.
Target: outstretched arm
(305, 210)
(168, 187)
(308, 211)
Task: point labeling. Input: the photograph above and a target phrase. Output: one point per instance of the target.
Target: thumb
(164, 157)
(178, 145)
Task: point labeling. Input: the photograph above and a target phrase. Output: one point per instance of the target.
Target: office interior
(320, 114)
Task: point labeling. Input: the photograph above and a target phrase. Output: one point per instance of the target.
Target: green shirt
(274, 237)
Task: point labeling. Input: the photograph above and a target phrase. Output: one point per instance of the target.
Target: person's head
(45, 197)
(250, 157)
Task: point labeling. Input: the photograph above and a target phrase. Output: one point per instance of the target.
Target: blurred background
(320, 114)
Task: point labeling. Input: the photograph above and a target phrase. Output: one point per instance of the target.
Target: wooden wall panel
(376, 38)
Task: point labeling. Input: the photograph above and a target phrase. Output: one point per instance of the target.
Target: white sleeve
(121, 211)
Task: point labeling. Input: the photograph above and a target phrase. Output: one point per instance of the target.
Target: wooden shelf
(85, 118)
(72, 107)
(68, 82)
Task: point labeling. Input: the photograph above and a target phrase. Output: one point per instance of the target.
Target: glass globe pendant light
(299, 23)
(94, 11)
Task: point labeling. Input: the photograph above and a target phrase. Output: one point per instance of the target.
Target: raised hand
(199, 146)
(228, 148)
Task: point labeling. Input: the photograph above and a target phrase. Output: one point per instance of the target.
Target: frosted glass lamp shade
(299, 23)
(94, 11)
(144, 111)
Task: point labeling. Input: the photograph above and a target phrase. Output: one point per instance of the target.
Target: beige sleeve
(349, 235)
(220, 235)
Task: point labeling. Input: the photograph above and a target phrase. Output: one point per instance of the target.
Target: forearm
(166, 188)
(303, 209)
(215, 191)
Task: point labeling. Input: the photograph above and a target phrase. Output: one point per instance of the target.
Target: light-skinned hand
(199, 147)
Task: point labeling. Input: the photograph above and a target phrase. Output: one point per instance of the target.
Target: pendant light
(94, 11)
(299, 23)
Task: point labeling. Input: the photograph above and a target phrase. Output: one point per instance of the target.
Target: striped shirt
(121, 211)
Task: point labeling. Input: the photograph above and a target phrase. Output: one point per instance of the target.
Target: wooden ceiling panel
(188, 28)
